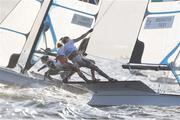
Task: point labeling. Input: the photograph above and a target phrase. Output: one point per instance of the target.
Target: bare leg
(93, 67)
(50, 72)
(93, 76)
(74, 69)
(65, 80)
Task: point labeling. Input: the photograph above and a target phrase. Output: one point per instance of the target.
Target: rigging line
(105, 58)
(45, 40)
(86, 73)
(10, 12)
(166, 58)
(13, 31)
(177, 57)
(105, 12)
(72, 9)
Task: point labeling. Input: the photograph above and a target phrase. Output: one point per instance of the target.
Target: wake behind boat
(74, 18)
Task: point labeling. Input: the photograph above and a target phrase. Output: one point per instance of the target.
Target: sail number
(82, 20)
(159, 22)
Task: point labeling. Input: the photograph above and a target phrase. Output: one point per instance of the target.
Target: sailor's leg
(73, 68)
(64, 74)
(87, 62)
(81, 74)
(99, 71)
(93, 76)
(51, 72)
(47, 75)
(68, 71)
(67, 77)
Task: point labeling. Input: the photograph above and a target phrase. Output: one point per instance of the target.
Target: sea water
(53, 103)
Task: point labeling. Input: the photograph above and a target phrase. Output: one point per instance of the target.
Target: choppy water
(51, 103)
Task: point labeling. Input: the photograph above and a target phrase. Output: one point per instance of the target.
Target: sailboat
(52, 19)
(156, 47)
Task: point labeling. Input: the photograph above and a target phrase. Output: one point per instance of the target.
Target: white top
(60, 51)
(69, 47)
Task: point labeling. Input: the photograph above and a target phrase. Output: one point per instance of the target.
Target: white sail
(66, 18)
(158, 44)
(160, 32)
(15, 28)
(28, 37)
(6, 7)
(71, 18)
(117, 28)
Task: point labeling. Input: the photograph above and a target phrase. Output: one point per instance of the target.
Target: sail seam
(72, 9)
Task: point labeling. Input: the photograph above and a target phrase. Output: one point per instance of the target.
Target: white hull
(135, 99)
(129, 93)
(10, 77)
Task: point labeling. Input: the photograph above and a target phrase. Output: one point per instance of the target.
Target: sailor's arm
(44, 66)
(83, 36)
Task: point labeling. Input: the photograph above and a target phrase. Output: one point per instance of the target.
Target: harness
(72, 55)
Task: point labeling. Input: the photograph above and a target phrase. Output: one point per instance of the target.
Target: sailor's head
(44, 59)
(64, 39)
(59, 45)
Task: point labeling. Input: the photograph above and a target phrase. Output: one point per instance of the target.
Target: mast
(33, 37)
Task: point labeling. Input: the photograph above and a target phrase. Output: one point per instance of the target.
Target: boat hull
(10, 77)
(133, 99)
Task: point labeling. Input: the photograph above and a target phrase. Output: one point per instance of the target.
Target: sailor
(53, 65)
(67, 66)
(71, 52)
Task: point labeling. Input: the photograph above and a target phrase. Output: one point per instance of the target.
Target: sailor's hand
(90, 30)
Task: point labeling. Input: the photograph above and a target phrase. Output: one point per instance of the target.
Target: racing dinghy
(55, 19)
(157, 47)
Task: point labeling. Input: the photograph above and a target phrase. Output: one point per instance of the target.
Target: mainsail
(15, 27)
(117, 28)
(158, 42)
